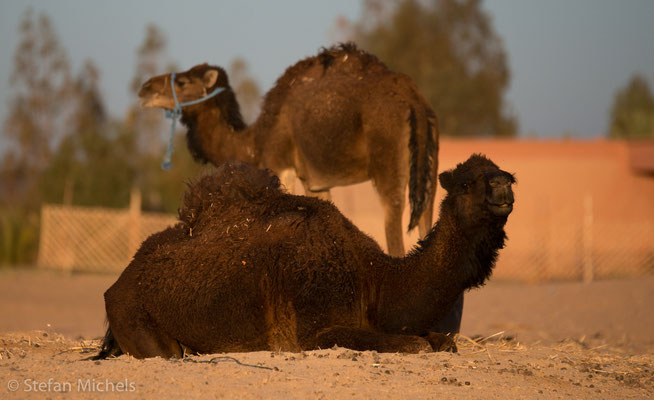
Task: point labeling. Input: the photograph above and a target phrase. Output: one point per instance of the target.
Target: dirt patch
(39, 363)
(556, 340)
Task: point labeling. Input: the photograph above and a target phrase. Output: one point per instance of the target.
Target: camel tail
(423, 147)
(110, 347)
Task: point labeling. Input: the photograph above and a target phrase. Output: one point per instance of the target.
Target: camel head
(190, 85)
(478, 190)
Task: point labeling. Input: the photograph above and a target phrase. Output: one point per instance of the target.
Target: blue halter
(175, 113)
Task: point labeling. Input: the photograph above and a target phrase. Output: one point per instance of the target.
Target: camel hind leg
(134, 330)
(391, 195)
(142, 341)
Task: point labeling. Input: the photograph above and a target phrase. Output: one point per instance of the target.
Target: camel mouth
(147, 100)
(501, 210)
(152, 102)
(144, 102)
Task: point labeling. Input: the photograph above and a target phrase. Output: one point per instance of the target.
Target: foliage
(452, 52)
(18, 237)
(145, 121)
(632, 113)
(163, 192)
(67, 150)
(246, 88)
(38, 108)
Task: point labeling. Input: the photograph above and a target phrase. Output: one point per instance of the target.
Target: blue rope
(174, 114)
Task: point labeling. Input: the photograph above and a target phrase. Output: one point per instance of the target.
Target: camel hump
(234, 183)
(359, 59)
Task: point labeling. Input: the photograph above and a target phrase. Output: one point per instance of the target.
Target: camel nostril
(146, 86)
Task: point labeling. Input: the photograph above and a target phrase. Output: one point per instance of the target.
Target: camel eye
(181, 83)
(465, 186)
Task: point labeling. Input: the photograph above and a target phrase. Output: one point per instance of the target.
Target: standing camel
(250, 268)
(335, 119)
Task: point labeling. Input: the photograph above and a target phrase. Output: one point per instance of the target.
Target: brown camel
(335, 119)
(251, 267)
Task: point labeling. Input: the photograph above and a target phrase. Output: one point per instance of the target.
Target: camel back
(213, 194)
(314, 68)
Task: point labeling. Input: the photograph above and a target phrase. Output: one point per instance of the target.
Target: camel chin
(501, 210)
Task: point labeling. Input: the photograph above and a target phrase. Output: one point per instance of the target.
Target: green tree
(36, 121)
(147, 122)
(246, 88)
(92, 165)
(38, 108)
(632, 113)
(452, 52)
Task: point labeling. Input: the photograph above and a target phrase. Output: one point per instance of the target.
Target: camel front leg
(323, 194)
(287, 179)
(441, 342)
(451, 323)
(362, 340)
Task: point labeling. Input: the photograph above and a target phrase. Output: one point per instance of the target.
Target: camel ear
(210, 77)
(447, 180)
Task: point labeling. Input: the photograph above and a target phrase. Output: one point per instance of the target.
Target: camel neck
(446, 263)
(215, 136)
(465, 254)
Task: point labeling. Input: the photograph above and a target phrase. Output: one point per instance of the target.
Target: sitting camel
(250, 267)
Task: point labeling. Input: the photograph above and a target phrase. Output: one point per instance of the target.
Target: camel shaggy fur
(250, 267)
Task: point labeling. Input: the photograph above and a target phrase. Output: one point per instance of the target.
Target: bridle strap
(174, 114)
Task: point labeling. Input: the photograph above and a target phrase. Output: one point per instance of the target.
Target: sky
(567, 57)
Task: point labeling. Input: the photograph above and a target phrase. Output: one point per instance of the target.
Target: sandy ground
(555, 340)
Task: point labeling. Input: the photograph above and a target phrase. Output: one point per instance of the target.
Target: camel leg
(452, 321)
(141, 341)
(287, 179)
(393, 204)
(323, 194)
(134, 330)
(441, 342)
(362, 340)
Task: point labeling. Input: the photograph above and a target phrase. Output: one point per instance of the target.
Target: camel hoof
(420, 345)
(441, 342)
